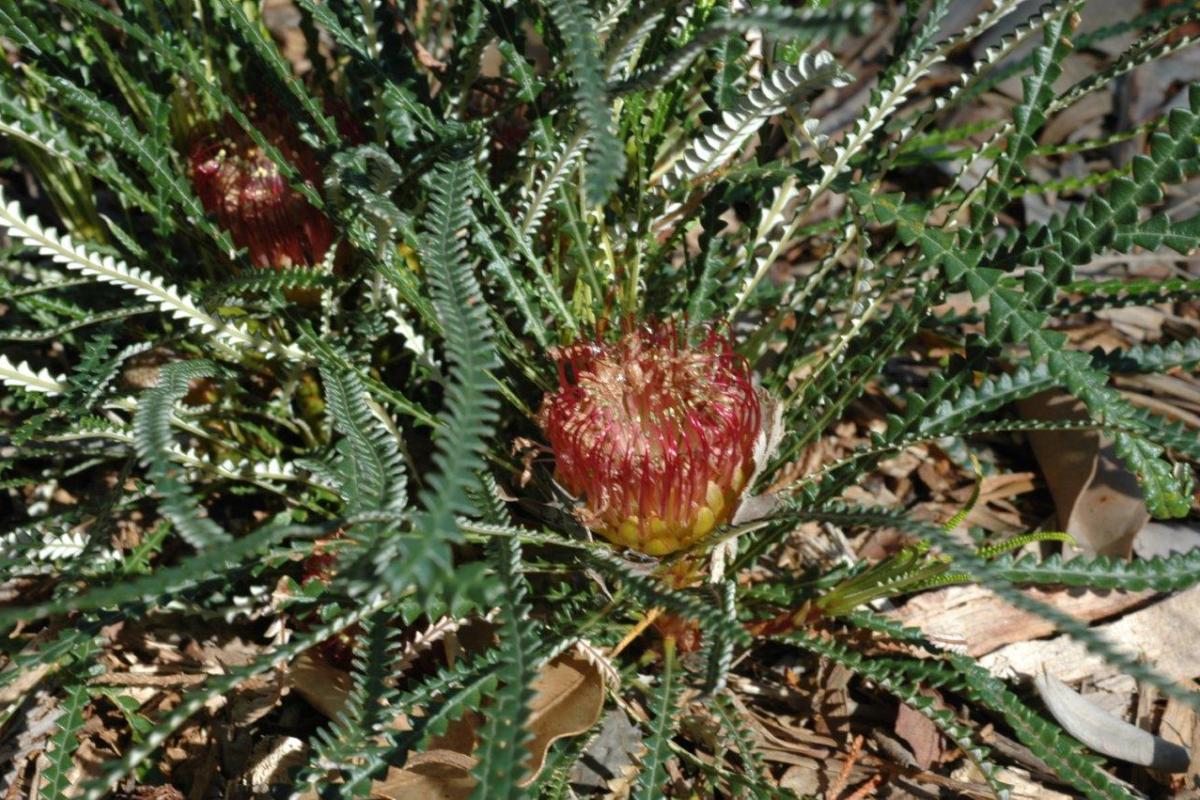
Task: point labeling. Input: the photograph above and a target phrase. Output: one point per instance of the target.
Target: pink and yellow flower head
(654, 434)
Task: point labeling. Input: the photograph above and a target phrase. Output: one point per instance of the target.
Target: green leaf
(992, 575)
(470, 408)
(374, 477)
(254, 33)
(56, 777)
(779, 90)
(605, 153)
(131, 592)
(779, 21)
(664, 706)
(1162, 574)
(1182, 236)
(153, 440)
(502, 754)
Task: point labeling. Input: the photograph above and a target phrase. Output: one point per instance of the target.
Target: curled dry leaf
(754, 507)
(568, 700)
(326, 688)
(1099, 502)
(272, 761)
(432, 775)
(1106, 734)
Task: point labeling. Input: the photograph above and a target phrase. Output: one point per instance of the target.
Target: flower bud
(321, 566)
(654, 434)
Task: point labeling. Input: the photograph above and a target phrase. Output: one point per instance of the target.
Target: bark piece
(1165, 636)
(984, 622)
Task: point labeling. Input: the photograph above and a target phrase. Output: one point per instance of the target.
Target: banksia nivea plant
(922, 217)
(243, 188)
(654, 434)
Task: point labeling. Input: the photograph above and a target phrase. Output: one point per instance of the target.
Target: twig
(839, 783)
(636, 631)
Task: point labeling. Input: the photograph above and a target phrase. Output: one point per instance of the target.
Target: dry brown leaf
(1181, 392)
(1024, 786)
(921, 735)
(1099, 502)
(150, 793)
(282, 19)
(568, 700)
(1138, 323)
(21, 684)
(1002, 486)
(804, 780)
(324, 687)
(461, 735)
(1096, 106)
(609, 755)
(432, 775)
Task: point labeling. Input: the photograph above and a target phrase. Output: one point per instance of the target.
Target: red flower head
(656, 435)
(242, 187)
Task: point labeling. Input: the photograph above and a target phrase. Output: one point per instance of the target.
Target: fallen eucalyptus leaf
(461, 735)
(1106, 734)
(1099, 502)
(922, 736)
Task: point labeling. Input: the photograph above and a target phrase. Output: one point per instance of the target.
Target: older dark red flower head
(654, 434)
(243, 188)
